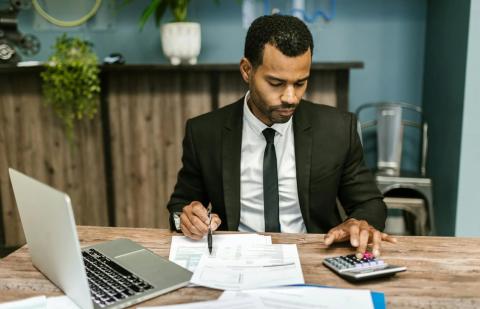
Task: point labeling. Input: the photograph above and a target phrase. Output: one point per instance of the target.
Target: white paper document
(41, 302)
(37, 302)
(187, 252)
(247, 302)
(61, 302)
(307, 297)
(249, 267)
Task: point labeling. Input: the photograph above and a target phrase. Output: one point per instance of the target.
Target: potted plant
(70, 81)
(181, 40)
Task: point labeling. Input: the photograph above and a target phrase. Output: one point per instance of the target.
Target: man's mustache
(284, 106)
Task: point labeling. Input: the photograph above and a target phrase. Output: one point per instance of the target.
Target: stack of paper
(255, 274)
(249, 267)
(187, 252)
(248, 302)
(306, 297)
(238, 261)
(41, 302)
(293, 297)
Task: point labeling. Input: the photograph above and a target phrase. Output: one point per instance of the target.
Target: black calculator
(354, 269)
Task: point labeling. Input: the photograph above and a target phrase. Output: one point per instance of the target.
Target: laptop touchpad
(141, 261)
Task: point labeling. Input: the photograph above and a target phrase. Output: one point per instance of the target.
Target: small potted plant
(70, 81)
(181, 40)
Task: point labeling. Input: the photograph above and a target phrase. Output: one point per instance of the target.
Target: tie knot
(269, 134)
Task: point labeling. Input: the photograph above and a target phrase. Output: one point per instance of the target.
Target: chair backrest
(389, 123)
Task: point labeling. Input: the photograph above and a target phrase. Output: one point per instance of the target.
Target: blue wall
(388, 36)
(468, 202)
(445, 64)
(396, 39)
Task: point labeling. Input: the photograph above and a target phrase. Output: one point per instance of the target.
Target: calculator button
(368, 255)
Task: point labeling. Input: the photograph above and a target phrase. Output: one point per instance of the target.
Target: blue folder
(378, 298)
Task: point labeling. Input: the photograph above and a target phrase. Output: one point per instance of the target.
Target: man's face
(277, 85)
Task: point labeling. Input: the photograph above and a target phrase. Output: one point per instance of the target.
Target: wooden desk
(442, 272)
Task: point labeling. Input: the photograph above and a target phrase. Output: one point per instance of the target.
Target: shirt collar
(257, 125)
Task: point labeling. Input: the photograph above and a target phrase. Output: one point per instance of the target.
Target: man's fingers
(363, 242)
(185, 220)
(335, 235)
(361, 235)
(391, 239)
(200, 211)
(187, 232)
(199, 225)
(187, 224)
(330, 237)
(354, 235)
(215, 222)
(377, 240)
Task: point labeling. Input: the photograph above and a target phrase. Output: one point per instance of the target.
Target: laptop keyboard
(108, 281)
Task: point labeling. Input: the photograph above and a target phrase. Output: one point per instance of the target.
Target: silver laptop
(113, 274)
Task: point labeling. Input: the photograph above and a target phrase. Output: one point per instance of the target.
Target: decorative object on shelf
(70, 81)
(10, 37)
(181, 40)
(64, 23)
(114, 58)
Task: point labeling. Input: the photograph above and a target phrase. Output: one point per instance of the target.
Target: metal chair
(390, 124)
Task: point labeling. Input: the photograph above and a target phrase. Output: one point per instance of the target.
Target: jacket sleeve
(190, 186)
(358, 192)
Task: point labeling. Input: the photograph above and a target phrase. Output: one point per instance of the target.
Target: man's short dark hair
(287, 33)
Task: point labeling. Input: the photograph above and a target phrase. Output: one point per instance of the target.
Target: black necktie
(270, 184)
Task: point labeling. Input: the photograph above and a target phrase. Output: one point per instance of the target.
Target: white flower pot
(181, 42)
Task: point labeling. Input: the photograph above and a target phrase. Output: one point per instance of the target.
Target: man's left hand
(361, 234)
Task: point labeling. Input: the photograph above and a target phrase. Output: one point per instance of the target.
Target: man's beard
(282, 106)
(272, 112)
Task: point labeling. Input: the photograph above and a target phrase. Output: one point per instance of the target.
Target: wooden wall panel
(322, 88)
(147, 114)
(32, 140)
(130, 157)
(231, 87)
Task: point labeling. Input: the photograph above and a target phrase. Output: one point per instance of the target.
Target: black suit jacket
(329, 164)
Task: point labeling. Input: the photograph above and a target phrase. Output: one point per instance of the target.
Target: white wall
(468, 203)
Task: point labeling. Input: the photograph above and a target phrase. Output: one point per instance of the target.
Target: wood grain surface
(147, 116)
(443, 272)
(32, 140)
(124, 164)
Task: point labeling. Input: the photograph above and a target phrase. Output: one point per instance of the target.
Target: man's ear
(246, 69)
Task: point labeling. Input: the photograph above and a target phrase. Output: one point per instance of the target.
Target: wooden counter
(124, 163)
(442, 272)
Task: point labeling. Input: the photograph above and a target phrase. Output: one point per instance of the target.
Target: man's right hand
(194, 221)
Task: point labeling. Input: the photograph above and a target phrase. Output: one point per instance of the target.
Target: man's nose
(289, 96)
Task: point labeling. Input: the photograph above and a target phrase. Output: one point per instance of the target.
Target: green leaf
(70, 82)
(149, 10)
(179, 9)
(160, 11)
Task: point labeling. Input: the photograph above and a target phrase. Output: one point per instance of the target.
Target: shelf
(227, 67)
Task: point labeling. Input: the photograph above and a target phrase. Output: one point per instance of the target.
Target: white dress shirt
(251, 175)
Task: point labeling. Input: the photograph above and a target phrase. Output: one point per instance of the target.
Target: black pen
(209, 236)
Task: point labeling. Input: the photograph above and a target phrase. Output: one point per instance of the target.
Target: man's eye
(275, 84)
(300, 84)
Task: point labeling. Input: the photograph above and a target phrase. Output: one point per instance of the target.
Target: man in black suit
(274, 162)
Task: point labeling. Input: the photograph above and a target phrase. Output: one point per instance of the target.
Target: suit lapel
(302, 131)
(231, 154)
